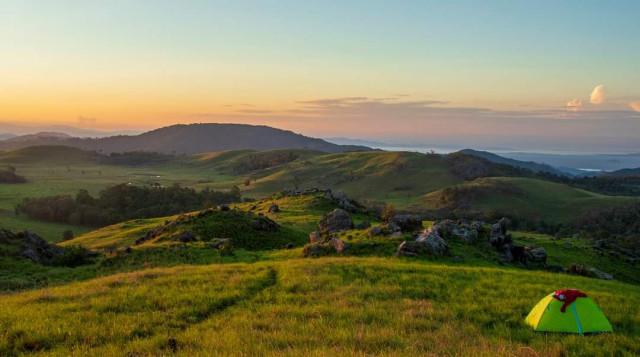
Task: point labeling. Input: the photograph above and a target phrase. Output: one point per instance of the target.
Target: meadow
(325, 306)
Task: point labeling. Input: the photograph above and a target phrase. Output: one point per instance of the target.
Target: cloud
(598, 95)
(635, 106)
(574, 105)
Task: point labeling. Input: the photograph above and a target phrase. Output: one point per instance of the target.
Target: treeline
(9, 175)
(122, 202)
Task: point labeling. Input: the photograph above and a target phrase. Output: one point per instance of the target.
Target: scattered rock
(579, 269)
(406, 222)
(375, 231)
(224, 207)
(429, 243)
(264, 224)
(339, 245)
(35, 248)
(335, 221)
(536, 255)
(186, 237)
(499, 236)
(317, 249)
(468, 232)
(274, 208)
(315, 237)
(289, 245)
(218, 243)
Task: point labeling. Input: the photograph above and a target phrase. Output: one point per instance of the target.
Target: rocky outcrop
(30, 246)
(331, 246)
(429, 243)
(335, 221)
(579, 269)
(467, 232)
(499, 236)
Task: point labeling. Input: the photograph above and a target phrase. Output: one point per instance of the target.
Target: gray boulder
(499, 236)
(536, 255)
(335, 221)
(406, 222)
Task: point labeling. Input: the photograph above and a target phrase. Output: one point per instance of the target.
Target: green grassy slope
(523, 197)
(397, 177)
(326, 306)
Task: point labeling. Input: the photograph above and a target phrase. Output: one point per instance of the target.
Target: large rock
(429, 243)
(467, 232)
(335, 221)
(38, 249)
(499, 236)
(406, 222)
(536, 255)
(341, 199)
(339, 245)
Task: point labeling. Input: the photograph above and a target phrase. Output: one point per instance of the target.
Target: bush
(73, 256)
(67, 235)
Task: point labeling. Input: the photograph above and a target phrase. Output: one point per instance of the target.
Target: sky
(519, 74)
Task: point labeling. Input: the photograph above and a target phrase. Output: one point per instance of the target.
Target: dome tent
(569, 311)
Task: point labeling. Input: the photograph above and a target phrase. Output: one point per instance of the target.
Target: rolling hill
(528, 165)
(519, 197)
(187, 139)
(187, 299)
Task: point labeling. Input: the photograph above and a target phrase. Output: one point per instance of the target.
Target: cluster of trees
(122, 202)
(9, 175)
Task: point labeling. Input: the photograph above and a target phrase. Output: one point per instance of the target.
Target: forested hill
(190, 139)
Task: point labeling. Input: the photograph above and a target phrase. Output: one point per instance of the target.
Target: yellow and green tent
(580, 316)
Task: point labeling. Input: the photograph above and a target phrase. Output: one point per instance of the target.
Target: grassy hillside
(326, 306)
(382, 176)
(408, 180)
(522, 197)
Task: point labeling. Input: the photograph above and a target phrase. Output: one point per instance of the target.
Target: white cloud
(597, 95)
(635, 106)
(574, 105)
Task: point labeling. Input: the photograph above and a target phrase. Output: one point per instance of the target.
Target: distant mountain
(529, 165)
(5, 136)
(45, 135)
(187, 139)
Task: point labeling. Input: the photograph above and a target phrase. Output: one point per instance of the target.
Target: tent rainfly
(569, 311)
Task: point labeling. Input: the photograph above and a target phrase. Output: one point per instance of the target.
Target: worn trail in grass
(324, 306)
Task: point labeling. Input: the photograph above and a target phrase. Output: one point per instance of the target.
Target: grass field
(326, 306)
